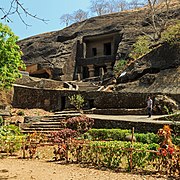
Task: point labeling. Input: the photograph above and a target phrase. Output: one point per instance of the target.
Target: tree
(79, 15)
(10, 57)
(99, 7)
(134, 4)
(158, 16)
(66, 19)
(121, 5)
(18, 8)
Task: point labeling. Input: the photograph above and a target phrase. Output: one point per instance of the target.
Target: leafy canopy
(10, 57)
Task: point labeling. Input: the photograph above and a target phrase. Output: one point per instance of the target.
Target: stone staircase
(46, 124)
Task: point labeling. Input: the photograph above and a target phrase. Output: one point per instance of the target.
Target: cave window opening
(107, 49)
(94, 51)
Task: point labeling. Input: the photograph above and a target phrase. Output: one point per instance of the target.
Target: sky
(50, 10)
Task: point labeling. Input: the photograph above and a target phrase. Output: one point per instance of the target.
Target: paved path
(133, 118)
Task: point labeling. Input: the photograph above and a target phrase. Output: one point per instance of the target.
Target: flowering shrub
(80, 123)
(74, 127)
(169, 158)
(63, 135)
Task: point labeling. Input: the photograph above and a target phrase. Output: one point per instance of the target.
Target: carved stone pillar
(91, 70)
(109, 67)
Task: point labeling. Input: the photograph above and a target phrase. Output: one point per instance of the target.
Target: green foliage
(172, 34)
(141, 47)
(120, 134)
(120, 66)
(10, 57)
(108, 134)
(147, 138)
(114, 154)
(10, 138)
(20, 113)
(1, 121)
(77, 101)
(9, 130)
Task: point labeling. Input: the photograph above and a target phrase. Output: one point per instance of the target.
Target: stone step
(41, 129)
(67, 112)
(45, 123)
(45, 126)
(53, 118)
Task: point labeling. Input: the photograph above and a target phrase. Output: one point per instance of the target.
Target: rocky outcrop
(55, 53)
(156, 72)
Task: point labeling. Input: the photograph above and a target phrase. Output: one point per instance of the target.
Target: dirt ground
(23, 169)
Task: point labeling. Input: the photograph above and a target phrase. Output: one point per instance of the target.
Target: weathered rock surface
(156, 72)
(56, 52)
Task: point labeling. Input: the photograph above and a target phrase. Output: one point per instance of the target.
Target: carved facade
(96, 55)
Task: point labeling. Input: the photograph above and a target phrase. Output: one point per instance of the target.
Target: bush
(80, 123)
(120, 66)
(120, 134)
(10, 138)
(115, 154)
(10, 130)
(108, 134)
(172, 34)
(141, 47)
(77, 101)
(147, 138)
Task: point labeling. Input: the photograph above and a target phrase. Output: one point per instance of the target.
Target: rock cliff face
(54, 54)
(156, 72)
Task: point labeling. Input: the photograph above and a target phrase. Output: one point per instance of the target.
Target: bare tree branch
(16, 7)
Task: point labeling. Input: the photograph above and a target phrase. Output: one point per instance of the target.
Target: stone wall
(55, 100)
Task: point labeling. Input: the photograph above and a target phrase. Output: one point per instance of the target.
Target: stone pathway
(133, 118)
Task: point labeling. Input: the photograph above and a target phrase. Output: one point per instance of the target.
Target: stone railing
(100, 60)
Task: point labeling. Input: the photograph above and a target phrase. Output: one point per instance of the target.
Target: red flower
(170, 150)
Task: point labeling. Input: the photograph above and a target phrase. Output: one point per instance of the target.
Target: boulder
(165, 105)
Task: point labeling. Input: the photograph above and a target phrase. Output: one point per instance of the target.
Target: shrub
(120, 134)
(77, 101)
(114, 154)
(10, 138)
(147, 138)
(10, 130)
(172, 34)
(140, 47)
(80, 123)
(20, 113)
(120, 66)
(108, 134)
(63, 135)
